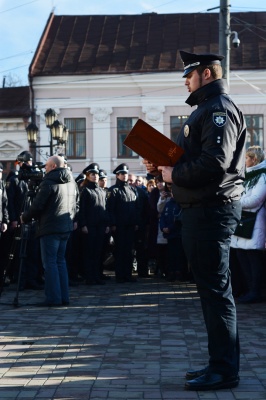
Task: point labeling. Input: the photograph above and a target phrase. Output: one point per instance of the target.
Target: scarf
(252, 177)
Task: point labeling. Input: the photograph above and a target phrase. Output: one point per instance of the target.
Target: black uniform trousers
(123, 252)
(92, 252)
(206, 236)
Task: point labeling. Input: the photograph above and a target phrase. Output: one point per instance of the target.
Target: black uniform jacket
(93, 206)
(17, 197)
(211, 171)
(55, 203)
(3, 203)
(123, 205)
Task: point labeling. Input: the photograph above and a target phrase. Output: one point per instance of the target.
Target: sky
(22, 23)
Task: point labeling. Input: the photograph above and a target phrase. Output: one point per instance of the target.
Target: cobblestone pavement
(119, 341)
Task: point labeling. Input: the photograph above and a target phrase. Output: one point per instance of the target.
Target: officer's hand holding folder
(152, 145)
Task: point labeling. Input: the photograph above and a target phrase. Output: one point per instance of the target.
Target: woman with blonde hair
(250, 251)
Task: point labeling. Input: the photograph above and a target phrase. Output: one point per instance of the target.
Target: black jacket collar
(203, 93)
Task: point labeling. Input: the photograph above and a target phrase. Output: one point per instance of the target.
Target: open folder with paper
(152, 145)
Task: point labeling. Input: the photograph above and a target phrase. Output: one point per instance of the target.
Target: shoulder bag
(246, 224)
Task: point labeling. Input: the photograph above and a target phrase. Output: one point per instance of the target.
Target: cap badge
(186, 130)
(219, 118)
(192, 65)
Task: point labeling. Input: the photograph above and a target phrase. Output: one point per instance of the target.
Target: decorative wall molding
(9, 150)
(101, 113)
(153, 113)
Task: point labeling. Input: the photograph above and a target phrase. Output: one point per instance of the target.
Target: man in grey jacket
(54, 208)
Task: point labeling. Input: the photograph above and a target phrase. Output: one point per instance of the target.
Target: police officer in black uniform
(94, 224)
(103, 179)
(123, 210)
(3, 221)
(207, 183)
(18, 201)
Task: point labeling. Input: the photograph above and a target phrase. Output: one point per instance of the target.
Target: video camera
(31, 172)
(28, 172)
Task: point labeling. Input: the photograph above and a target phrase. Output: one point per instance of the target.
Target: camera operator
(17, 193)
(54, 207)
(3, 217)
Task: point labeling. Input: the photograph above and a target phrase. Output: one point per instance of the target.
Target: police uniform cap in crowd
(1, 167)
(192, 60)
(24, 156)
(94, 167)
(80, 178)
(122, 168)
(102, 174)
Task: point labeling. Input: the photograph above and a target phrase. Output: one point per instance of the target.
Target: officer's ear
(207, 73)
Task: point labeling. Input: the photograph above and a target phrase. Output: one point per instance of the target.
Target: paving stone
(132, 341)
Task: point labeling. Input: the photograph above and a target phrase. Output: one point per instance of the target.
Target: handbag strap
(263, 204)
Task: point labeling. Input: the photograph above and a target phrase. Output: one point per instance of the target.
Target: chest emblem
(186, 130)
(219, 118)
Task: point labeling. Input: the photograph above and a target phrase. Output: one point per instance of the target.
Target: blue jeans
(53, 248)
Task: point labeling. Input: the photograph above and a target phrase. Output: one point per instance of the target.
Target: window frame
(75, 140)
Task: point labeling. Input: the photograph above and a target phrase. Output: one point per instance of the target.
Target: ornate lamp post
(58, 132)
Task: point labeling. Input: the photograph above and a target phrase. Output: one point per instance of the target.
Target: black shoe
(130, 279)
(143, 275)
(120, 280)
(72, 283)
(89, 282)
(45, 304)
(33, 286)
(99, 282)
(212, 381)
(193, 374)
(105, 277)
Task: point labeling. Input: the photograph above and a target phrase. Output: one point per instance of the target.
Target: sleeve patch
(219, 119)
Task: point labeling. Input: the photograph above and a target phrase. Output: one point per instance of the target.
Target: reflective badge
(219, 118)
(186, 130)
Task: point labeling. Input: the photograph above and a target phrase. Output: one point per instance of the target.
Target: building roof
(15, 102)
(111, 44)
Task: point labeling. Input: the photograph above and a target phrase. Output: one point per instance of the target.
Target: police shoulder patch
(219, 118)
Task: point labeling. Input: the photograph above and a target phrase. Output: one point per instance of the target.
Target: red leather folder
(152, 145)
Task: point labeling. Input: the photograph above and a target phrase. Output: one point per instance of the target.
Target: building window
(124, 126)
(254, 130)
(176, 124)
(76, 145)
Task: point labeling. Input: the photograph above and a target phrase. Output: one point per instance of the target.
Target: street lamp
(58, 132)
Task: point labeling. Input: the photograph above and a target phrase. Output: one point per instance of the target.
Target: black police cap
(94, 167)
(122, 168)
(24, 156)
(102, 174)
(192, 60)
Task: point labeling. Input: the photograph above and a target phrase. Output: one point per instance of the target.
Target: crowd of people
(181, 223)
(135, 223)
(130, 226)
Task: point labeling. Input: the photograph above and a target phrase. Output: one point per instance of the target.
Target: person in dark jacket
(123, 209)
(94, 224)
(3, 204)
(20, 196)
(140, 241)
(170, 225)
(54, 207)
(3, 220)
(208, 184)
